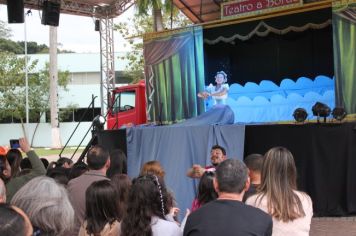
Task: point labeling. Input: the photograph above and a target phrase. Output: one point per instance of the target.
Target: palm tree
(156, 6)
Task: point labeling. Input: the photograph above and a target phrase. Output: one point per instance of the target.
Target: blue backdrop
(177, 148)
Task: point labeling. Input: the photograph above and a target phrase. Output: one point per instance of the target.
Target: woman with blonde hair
(291, 210)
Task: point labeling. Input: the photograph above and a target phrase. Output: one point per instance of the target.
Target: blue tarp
(178, 147)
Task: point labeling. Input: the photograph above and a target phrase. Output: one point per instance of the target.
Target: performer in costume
(218, 92)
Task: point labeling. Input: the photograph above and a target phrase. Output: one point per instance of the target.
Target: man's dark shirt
(228, 218)
(251, 191)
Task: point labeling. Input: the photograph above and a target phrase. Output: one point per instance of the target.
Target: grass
(48, 152)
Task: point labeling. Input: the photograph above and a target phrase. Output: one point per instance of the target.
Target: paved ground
(333, 226)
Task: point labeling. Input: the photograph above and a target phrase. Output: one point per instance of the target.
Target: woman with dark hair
(77, 170)
(63, 162)
(101, 215)
(206, 191)
(14, 221)
(59, 170)
(5, 168)
(147, 208)
(155, 168)
(14, 157)
(118, 163)
(291, 210)
(122, 184)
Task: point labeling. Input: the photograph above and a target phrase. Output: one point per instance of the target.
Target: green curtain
(344, 30)
(175, 76)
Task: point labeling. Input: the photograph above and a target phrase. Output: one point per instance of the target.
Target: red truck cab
(129, 106)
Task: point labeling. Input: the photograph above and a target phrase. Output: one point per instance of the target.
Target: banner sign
(240, 8)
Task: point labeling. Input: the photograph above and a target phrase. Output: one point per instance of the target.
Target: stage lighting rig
(339, 113)
(321, 110)
(300, 115)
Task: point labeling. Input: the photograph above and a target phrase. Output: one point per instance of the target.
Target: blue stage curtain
(177, 149)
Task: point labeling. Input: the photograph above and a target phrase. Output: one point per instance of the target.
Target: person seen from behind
(291, 210)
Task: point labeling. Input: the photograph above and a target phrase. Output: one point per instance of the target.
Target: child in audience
(147, 208)
(152, 168)
(206, 191)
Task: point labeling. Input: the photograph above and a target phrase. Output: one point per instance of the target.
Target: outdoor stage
(325, 156)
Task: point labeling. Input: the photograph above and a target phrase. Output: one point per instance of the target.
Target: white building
(85, 77)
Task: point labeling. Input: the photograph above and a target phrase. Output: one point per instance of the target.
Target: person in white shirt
(277, 195)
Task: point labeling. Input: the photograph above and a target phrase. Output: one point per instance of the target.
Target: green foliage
(7, 45)
(33, 47)
(67, 113)
(5, 32)
(19, 47)
(144, 7)
(133, 32)
(13, 87)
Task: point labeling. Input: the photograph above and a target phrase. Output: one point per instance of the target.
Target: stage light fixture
(98, 122)
(321, 110)
(339, 113)
(300, 115)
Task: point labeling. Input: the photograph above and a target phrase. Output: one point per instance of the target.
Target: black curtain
(325, 156)
(274, 57)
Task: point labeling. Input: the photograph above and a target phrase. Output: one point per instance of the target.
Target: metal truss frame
(91, 8)
(107, 61)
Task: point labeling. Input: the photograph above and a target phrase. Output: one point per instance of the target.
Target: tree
(12, 88)
(133, 32)
(143, 7)
(10, 46)
(5, 32)
(33, 47)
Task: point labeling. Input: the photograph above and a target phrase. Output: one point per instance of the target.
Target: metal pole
(101, 72)
(53, 73)
(26, 77)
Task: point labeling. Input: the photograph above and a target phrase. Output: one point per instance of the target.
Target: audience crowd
(256, 197)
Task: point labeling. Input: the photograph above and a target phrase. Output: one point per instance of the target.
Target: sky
(74, 33)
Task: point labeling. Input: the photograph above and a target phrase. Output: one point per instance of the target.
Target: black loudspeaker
(97, 25)
(50, 13)
(113, 139)
(15, 11)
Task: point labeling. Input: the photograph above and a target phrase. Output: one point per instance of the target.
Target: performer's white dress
(218, 99)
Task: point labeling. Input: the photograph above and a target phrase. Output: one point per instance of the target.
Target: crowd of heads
(43, 205)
